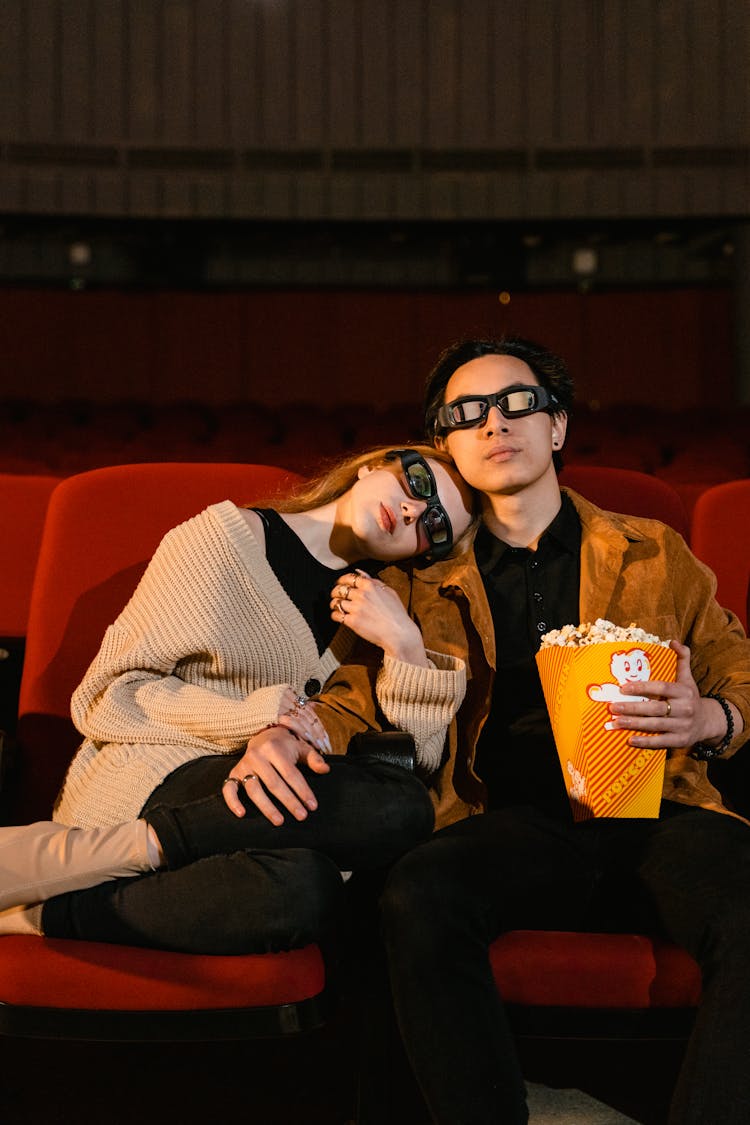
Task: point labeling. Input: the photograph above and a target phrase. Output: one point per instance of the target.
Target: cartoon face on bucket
(627, 667)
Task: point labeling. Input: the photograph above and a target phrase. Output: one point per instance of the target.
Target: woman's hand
(268, 769)
(674, 716)
(300, 719)
(374, 612)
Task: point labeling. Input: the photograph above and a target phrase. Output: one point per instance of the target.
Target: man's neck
(521, 518)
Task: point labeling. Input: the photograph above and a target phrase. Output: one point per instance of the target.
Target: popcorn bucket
(604, 775)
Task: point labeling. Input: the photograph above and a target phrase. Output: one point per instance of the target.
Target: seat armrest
(394, 746)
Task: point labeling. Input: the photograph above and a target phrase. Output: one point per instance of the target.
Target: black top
(306, 580)
(530, 592)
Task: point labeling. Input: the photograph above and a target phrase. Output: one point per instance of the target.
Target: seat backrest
(720, 537)
(23, 506)
(629, 492)
(101, 530)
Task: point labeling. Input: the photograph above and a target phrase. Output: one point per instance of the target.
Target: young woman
(202, 772)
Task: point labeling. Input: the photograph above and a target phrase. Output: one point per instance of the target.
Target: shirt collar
(564, 532)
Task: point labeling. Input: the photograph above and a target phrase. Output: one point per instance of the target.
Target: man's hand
(268, 769)
(673, 716)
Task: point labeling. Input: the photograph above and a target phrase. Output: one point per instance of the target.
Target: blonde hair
(337, 480)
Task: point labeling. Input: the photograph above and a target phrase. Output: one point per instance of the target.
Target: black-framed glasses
(513, 402)
(420, 481)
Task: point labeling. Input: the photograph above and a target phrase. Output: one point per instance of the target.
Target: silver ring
(249, 777)
(226, 781)
(301, 701)
(669, 709)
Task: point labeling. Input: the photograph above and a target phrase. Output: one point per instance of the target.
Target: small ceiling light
(79, 254)
(585, 261)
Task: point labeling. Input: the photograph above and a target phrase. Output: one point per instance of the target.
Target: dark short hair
(550, 370)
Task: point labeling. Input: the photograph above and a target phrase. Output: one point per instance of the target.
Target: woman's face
(386, 518)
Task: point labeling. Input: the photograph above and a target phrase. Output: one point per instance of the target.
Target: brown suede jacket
(632, 570)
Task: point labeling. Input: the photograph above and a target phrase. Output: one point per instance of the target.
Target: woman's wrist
(409, 651)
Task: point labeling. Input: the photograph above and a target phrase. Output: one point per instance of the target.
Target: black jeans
(240, 884)
(687, 873)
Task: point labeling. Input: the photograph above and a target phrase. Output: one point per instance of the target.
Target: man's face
(504, 455)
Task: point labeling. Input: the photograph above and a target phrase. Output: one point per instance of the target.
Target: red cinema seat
(102, 528)
(23, 506)
(720, 538)
(629, 492)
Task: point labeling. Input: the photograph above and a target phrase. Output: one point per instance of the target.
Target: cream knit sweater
(196, 664)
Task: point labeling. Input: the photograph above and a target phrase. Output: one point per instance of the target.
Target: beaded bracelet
(702, 751)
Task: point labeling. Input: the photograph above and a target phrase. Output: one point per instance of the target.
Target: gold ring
(669, 710)
(249, 777)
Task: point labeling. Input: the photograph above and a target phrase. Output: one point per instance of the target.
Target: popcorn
(600, 632)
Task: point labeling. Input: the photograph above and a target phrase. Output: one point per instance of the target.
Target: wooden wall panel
(75, 45)
(575, 42)
(408, 74)
(178, 71)
(442, 75)
(211, 112)
(108, 71)
(542, 75)
(344, 75)
(276, 80)
(310, 65)
(243, 72)
(448, 97)
(732, 75)
(143, 50)
(40, 51)
(12, 69)
(705, 36)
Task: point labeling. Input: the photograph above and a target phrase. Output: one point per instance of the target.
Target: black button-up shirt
(529, 592)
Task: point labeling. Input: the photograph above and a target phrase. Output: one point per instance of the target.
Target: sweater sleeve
(422, 701)
(193, 656)
(126, 696)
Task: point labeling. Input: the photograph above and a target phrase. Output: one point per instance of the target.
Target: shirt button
(534, 564)
(541, 626)
(538, 597)
(312, 687)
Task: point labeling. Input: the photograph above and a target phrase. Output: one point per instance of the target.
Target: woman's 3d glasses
(421, 484)
(514, 402)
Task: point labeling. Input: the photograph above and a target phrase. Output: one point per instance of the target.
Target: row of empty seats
(689, 448)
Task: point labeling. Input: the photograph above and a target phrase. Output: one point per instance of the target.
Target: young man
(507, 853)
